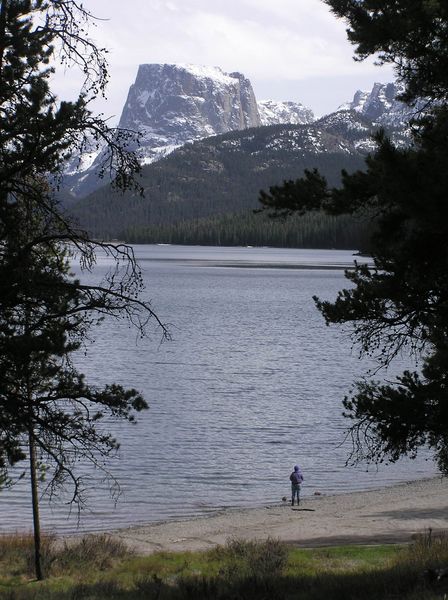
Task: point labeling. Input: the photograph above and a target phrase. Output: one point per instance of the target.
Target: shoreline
(393, 514)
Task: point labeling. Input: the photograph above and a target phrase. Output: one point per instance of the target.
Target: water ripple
(251, 385)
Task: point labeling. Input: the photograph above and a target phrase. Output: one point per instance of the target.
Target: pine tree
(46, 404)
(48, 413)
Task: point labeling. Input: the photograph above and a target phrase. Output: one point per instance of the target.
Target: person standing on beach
(296, 479)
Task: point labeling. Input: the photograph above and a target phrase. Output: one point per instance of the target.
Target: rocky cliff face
(172, 104)
(274, 112)
(381, 107)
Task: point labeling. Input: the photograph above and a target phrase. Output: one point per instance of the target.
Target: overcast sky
(289, 49)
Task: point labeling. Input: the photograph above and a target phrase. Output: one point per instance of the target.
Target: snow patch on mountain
(299, 139)
(274, 112)
(351, 126)
(84, 161)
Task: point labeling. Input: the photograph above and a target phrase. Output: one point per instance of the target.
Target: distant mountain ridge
(171, 105)
(217, 176)
(211, 184)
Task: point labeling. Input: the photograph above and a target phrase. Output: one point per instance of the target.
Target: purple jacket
(296, 476)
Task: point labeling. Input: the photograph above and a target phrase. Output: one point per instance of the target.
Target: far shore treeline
(248, 229)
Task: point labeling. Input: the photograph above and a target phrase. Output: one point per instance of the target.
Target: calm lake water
(251, 384)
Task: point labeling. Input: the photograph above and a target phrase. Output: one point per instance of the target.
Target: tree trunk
(35, 501)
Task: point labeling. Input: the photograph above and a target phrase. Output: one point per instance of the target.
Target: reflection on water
(251, 384)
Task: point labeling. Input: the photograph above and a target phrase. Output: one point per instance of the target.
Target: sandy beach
(388, 515)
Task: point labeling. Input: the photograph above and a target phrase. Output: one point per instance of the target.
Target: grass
(99, 567)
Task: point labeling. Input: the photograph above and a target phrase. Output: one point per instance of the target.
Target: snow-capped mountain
(382, 108)
(173, 104)
(274, 112)
(170, 105)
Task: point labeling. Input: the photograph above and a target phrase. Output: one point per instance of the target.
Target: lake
(251, 384)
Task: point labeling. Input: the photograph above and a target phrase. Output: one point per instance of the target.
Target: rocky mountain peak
(381, 106)
(172, 104)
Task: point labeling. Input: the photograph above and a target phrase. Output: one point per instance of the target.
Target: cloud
(259, 36)
(287, 40)
(265, 52)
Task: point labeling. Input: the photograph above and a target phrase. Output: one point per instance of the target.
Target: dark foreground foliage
(49, 414)
(97, 567)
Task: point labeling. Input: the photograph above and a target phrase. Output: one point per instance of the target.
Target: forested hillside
(205, 192)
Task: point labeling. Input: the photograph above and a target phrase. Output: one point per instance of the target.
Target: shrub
(48, 555)
(92, 551)
(17, 553)
(259, 559)
(428, 550)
